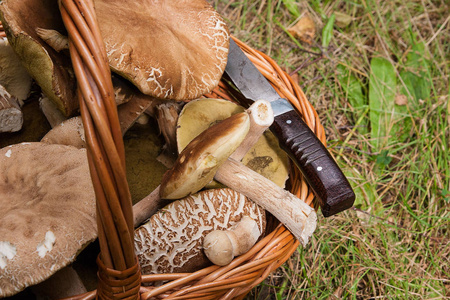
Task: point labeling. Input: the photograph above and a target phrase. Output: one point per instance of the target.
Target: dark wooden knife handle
(317, 165)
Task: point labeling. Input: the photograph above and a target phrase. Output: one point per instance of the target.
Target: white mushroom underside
(175, 235)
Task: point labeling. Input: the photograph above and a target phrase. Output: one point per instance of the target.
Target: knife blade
(320, 170)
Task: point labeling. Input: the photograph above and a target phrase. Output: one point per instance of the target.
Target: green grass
(395, 244)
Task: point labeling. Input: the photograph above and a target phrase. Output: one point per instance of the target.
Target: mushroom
(168, 49)
(171, 241)
(11, 117)
(13, 76)
(294, 213)
(265, 157)
(15, 85)
(71, 131)
(197, 163)
(221, 246)
(48, 212)
(51, 70)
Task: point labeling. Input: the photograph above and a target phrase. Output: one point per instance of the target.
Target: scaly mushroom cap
(171, 241)
(51, 70)
(266, 157)
(169, 49)
(48, 212)
(198, 162)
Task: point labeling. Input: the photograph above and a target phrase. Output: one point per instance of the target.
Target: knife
(322, 173)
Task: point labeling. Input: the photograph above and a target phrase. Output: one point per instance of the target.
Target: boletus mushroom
(171, 241)
(265, 157)
(48, 212)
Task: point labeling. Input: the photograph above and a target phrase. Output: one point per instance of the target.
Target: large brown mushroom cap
(48, 212)
(169, 49)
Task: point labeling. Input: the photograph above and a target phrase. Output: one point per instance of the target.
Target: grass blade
(292, 7)
(327, 32)
(382, 87)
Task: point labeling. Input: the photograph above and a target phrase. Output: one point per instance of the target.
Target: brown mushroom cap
(265, 158)
(172, 239)
(48, 212)
(198, 162)
(169, 49)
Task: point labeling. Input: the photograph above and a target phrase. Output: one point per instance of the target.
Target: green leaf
(416, 74)
(383, 159)
(292, 7)
(353, 89)
(382, 88)
(327, 32)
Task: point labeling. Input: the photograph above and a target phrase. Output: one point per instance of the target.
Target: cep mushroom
(48, 212)
(197, 163)
(171, 241)
(221, 246)
(265, 156)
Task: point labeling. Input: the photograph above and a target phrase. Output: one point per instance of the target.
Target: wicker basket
(119, 274)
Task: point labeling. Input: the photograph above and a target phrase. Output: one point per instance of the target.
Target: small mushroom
(172, 239)
(48, 212)
(260, 118)
(221, 246)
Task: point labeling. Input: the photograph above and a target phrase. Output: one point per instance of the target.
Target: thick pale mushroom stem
(52, 113)
(11, 118)
(147, 207)
(261, 117)
(295, 214)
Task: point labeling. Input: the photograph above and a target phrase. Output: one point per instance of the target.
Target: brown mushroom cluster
(167, 54)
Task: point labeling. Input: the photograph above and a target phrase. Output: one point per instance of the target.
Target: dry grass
(395, 242)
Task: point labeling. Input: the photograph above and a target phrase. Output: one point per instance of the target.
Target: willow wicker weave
(119, 274)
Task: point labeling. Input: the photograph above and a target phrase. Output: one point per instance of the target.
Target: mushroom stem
(295, 214)
(261, 117)
(53, 38)
(147, 207)
(50, 110)
(11, 118)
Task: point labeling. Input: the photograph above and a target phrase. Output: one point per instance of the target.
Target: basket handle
(117, 262)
